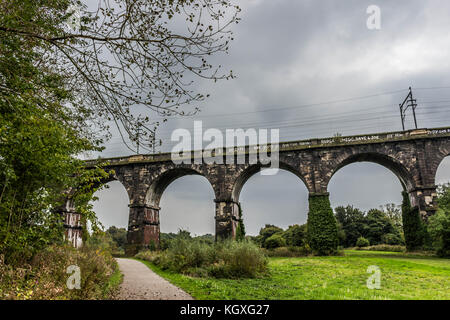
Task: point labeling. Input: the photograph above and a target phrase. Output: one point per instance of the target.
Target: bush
(274, 241)
(266, 232)
(295, 235)
(228, 259)
(289, 251)
(239, 260)
(392, 239)
(45, 276)
(384, 247)
(362, 242)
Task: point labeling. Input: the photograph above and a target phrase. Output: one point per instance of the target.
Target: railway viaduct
(413, 156)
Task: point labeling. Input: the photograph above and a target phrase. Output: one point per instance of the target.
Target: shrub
(289, 251)
(275, 241)
(384, 247)
(295, 235)
(322, 228)
(228, 259)
(392, 239)
(45, 276)
(239, 260)
(362, 242)
(266, 232)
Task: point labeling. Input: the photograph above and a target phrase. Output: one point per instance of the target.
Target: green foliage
(353, 225)
(413, 226)
(267, 232)
(439, 230)
(45, 276)
(384, 247)
(322, 228)
(378, 226)
(239, 260)
(167, 238)
(296, 235)
(439, 224)
(342, 237)
(404, 277)
(119, 236)
(226, 259)
(394, 213)
(289, 251)
(59, 92)
(240, 230)
(392, 239)
(362, 242)
(443, 199)
(274, 241)
(42, 130)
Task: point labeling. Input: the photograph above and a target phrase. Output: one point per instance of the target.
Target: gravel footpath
(141, 283)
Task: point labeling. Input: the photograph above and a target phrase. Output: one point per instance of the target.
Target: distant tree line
(356, 228)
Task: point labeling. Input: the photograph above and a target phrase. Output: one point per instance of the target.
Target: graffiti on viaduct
(413, 156)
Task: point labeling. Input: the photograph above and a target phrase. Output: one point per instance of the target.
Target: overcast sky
(294, 61)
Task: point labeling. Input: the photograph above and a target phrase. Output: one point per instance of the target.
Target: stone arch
(248, 172)
(162, 181)
(72, 218)
(113, 203)
(400, 171)
(113, 176)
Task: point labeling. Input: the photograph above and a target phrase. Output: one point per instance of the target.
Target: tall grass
(228, 259)
(45, 276)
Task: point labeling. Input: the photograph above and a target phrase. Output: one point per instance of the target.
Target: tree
(353, 223)
(123, 53)
(379, 225)
(274, 241)
(394, 213)
(118, 235)
(240, 230)
(60, 88)
(375, 225)
(267, 232)
(439, 224)
(295, 235)
(412, 225)
(39, 142)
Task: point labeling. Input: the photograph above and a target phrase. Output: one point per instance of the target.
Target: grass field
(341, 277)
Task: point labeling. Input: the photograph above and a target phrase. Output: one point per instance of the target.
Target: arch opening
(385, 161)
(365, 185)
(257, 168)
(111, 207)
(443, 172)
(158, 187)
(280, 200)
(187, 203)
